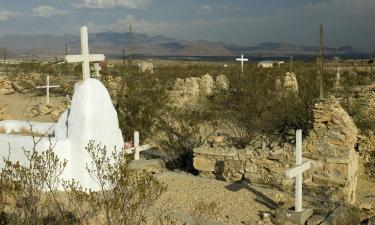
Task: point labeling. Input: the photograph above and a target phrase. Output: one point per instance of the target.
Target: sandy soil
(17, 104)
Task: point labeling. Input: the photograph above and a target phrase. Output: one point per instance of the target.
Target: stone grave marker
(47, 87)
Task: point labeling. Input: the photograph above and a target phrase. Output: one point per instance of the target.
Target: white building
(269, 64)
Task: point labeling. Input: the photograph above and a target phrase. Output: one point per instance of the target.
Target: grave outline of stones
(242, 60)
(299, 214)
(85, 58)
(97, 69)
(47, 87)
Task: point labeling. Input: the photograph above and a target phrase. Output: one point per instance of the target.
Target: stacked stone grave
(330, 146)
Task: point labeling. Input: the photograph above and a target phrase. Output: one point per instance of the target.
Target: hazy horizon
(240, 22)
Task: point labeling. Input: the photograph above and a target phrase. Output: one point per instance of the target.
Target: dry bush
(32, 186)
(182, 132)
(346, 215)
(125, 195)
(203, 211)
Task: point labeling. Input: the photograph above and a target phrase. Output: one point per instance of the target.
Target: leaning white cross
(47, 87)
(97, 69)
(85, 58)
(137, 148)
(297, 171)
(242, 59)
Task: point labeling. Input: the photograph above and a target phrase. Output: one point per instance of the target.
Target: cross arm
(294, 171)
(81, 58)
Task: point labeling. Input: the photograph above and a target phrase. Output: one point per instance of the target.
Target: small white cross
(97, 69)
(137, 148)
(47, 87)
(85, 58)
(242, 59)
(297, 171)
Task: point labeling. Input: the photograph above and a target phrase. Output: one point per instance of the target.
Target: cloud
(48, 11)
(139, 25)
(7, 14)
(100, 4)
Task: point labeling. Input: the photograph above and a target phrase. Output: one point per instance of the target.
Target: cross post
(299, 214)
(137, 147)
(85, 58)
(47, 87)
(242, 59)
(97, 69)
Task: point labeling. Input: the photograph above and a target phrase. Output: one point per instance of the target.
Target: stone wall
(330, 147)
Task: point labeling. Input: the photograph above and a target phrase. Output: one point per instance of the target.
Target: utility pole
(5, 55)
(321, 94)
(130, 50)
(27, 56)
(123, 57)
(291, 64)
(66, 49)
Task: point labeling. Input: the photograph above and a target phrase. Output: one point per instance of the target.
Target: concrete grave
(91, 116)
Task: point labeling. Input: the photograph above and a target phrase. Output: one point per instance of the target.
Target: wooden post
(291, 64)
(321, 93)
(130, 50)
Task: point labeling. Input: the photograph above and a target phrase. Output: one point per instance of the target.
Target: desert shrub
(139, 104)
(346, 215)
(27, 183)
(202, 211)
(357, 108)
(124, 196)
(183, 130)
(253, 105)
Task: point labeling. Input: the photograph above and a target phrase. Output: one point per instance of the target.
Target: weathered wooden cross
(97, 69)
(297, 171)
(85, 58)
(47, 87)
(242, 59)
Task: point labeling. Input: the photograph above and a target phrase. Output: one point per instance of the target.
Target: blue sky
(245, 22)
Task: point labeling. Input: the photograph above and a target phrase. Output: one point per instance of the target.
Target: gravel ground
(235, 203)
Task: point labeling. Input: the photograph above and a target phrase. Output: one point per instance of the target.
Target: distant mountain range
(112, 44)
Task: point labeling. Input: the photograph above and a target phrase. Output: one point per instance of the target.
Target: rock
(333, 140)
(222, 82)
(316, 219)
(146, 67)
(22, 86)
(290, 83)
(155, 166)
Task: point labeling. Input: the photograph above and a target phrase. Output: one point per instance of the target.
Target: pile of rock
(6, 86)
(45, 110)
(193, 92)
(330, 147)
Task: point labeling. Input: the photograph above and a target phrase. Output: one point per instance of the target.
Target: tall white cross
(242, 59)
(97, 69)
(297, 171)
(85, 58)
(47, 87)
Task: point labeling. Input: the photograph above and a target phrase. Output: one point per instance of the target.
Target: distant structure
(269, 64)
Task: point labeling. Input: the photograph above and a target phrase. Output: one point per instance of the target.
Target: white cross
(97, 69)
(85, 58)
(137, 148)
(297, 171)
(47, 87)
(242, 59)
